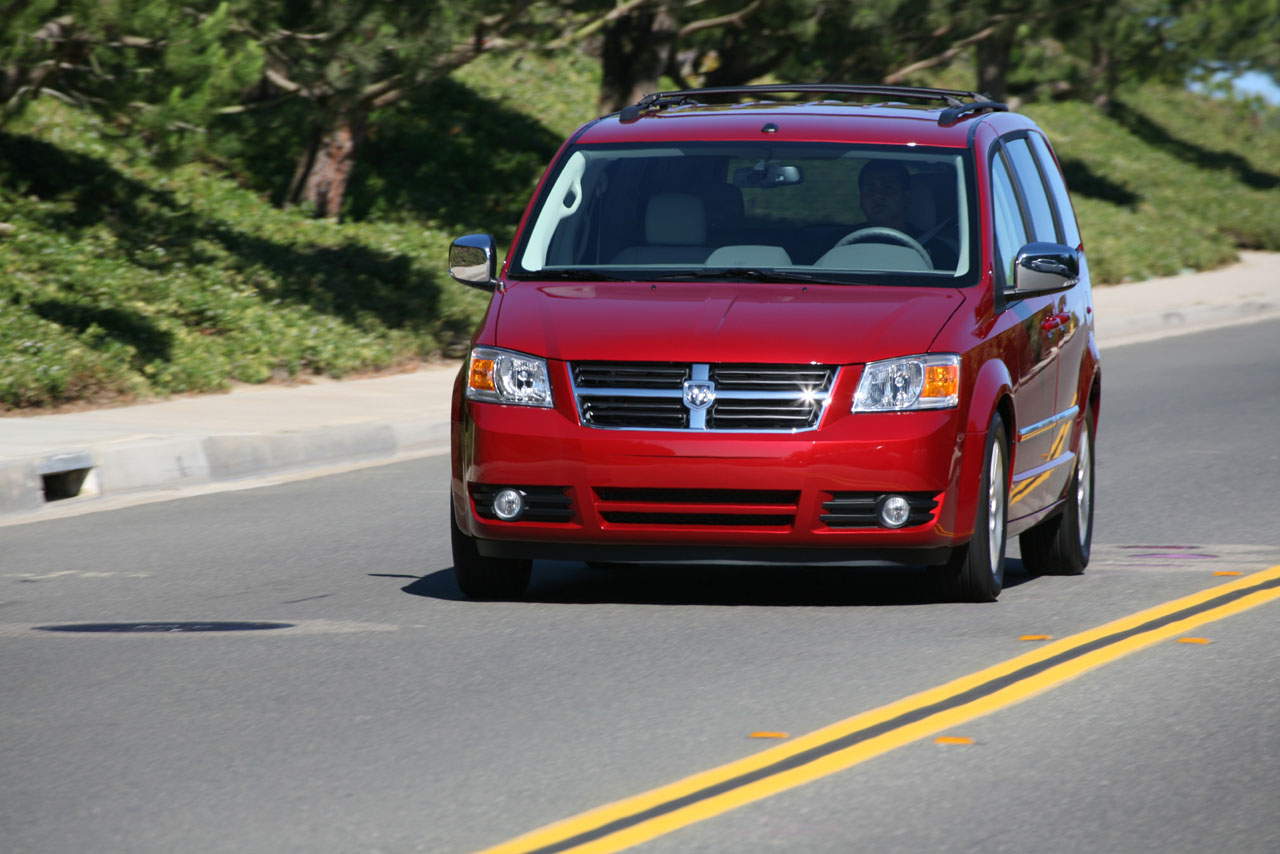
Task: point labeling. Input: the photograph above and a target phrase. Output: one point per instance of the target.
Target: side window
(1070, 231)
(1011, 234)
(1033, 191)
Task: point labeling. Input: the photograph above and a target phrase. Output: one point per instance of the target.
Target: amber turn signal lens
(941, 381)
(481, 377)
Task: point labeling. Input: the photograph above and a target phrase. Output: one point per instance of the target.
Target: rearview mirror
(1043, 268)
(766, 174)
(473, 261)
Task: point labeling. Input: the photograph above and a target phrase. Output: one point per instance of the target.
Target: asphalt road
(396, 717)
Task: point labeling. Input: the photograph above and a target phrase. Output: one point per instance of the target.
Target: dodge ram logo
(699, 394)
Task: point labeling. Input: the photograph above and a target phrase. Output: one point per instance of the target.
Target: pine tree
(160, 68)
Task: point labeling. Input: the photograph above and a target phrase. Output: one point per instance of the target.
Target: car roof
(944, 119)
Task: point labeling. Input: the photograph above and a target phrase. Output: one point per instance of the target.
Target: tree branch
(995, 23)
(282, 82)
(592, 27)
(938, 59)
(711, 23)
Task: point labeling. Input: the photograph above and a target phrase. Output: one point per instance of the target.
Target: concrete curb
(1244, 292)
(1131, 330)
(167, 463)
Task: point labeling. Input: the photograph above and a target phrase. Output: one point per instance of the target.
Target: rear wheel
(1060, 546)
(975, 572)
(481, 577)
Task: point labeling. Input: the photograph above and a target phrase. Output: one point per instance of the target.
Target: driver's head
(884, 187)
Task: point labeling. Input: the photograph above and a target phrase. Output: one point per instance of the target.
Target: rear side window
(1058, 187)
(1011, 233)
(1033, 192)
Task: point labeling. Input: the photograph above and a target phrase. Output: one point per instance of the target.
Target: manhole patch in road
(163, 628)
(1183, 558)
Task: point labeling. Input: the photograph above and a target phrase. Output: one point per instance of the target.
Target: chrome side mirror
(473, 261)
(1043, 268)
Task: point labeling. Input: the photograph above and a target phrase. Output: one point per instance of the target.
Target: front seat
(675, 232)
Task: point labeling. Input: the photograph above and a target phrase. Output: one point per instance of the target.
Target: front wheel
(1060, 546)
(481, 577)
(975, 572)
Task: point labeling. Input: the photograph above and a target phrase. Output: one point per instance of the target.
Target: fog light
(894, 511)
(508, 505)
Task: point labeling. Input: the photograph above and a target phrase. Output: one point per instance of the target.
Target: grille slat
(630, 375)
(634, 412)
(649, 395)
(734, 414)
(798, 378)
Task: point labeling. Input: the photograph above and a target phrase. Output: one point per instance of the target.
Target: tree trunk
(1103, 76)
(326, 166)
(993, 63)
(637, 49)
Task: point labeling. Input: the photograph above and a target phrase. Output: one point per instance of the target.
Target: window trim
(1058, 232)
(998, 150)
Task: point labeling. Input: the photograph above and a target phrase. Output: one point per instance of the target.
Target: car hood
(721, 322)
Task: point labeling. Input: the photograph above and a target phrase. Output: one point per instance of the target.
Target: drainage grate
(68, 476)
(164, 628)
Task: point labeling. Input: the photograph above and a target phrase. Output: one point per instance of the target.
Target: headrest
(675, 219)
(747, 255)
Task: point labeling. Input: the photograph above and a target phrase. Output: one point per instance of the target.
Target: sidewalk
(52, 460)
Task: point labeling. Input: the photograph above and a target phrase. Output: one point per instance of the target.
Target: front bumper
(683, 495)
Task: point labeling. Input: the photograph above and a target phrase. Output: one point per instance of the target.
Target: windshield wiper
(754, 274)
(575, 274)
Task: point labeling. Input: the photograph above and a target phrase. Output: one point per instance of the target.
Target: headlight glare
(503, 376)
(914, 382)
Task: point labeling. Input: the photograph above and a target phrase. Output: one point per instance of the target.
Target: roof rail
(951, 115)
(956, 107)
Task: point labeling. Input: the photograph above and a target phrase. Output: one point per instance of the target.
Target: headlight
(912, 382)
(501, 376)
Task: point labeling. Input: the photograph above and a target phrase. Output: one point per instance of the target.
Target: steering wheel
(879, 234)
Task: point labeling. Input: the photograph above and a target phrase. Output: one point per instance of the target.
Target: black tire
(975, 572)
(1060, 546)
(481, 577)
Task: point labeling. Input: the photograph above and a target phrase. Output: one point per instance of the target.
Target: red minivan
(805, 323)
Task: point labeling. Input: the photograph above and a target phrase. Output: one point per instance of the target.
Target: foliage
(151, 68)
(118, 279)
(121, 279)
(1168, 181)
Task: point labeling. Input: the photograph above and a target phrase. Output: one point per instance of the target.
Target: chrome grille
(750, 398)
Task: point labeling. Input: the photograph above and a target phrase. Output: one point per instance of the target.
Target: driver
(884, 189)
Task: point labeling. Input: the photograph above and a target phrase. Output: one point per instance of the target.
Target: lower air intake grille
(705, 519)
(542, 503)
(760, 508)
(862, 509)
(699, 496)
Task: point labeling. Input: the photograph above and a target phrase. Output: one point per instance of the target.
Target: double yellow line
(629, 822)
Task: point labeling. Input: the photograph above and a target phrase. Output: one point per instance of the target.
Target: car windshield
(752, 211)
